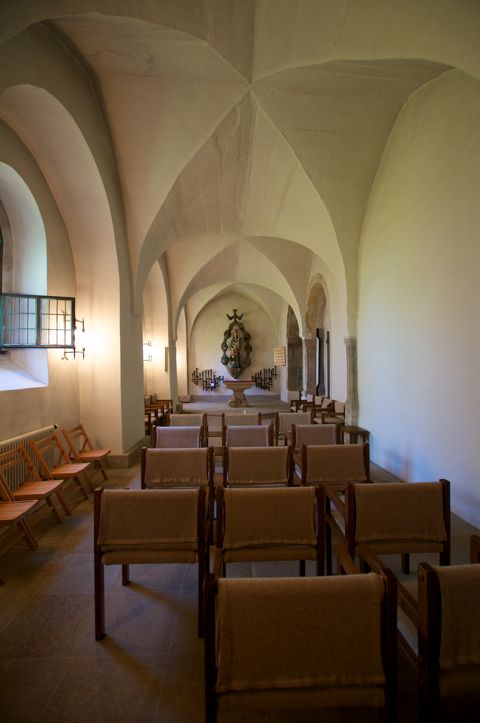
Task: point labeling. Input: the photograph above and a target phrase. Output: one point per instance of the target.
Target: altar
(238, 388)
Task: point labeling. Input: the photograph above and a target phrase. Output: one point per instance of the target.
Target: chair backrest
(449, 637)
(177, 467)
(247, 436)
(178, 436)
(187, 420)
(309, 434)
(238, 420)
(335, 463)
(285, 420)
(16, 465)
(300, 642)
(50, 452)
(77, 439)
(255, 519)
(144, 525)
(399, 517)
(257, 465)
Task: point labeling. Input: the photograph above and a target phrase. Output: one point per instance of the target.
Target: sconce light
(79, 325)
(147, 355)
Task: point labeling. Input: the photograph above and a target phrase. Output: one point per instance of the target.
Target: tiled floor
(149, 668)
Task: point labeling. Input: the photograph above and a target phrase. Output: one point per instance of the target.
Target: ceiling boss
(236, 346)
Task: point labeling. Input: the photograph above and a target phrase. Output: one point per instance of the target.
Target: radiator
(16, 475)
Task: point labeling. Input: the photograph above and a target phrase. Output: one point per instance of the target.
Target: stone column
(351, 414)
(310, 356)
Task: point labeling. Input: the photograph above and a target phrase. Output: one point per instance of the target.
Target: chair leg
(55, 513)
(81, 487)
(125, 574)
(99, 600)
(406, 563)
(28, 534)
(63, 504)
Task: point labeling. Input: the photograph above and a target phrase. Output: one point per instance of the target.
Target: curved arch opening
(25, 272)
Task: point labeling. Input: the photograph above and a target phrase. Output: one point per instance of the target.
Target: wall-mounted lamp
(147, 354)
(78, 326)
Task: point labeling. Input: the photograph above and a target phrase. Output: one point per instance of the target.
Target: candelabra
(264, 378)
(207, 379)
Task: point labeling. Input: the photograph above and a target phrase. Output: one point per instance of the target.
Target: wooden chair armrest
(334, 497)
(218, 563)
(346, 564)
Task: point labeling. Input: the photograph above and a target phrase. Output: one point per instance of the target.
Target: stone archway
(316, 343)
(294, 354)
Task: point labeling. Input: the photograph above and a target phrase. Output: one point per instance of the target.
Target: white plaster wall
(207, 336)
(419, 338)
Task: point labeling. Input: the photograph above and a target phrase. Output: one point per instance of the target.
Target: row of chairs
(324, 409)
(266, 524)
(257, 430)
(255, 523)
(43, 475)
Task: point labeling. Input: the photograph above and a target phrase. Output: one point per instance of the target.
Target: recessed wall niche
(208, 331)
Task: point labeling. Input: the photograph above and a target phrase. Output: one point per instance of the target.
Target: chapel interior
(279, 192)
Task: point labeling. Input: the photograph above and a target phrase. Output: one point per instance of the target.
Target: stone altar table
(238, 388)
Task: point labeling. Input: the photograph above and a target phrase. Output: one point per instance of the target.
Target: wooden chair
(54, 462)
(257, 435)
(148, 527)
(312, 434)
(151, 420)
(164, 405)
(284, 422)
(334, 414)
(178, 437)
(270, 523)
(82, 450)
(398, 518)
(191, 420)
(13, 514)
(237, 420)
(214, 424)
(310, 643)
(257, 466)
(335, 464)
(304, 402)
(449, 639)
(181, 468)
(17, 463)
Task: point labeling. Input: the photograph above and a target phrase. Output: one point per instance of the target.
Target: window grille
(37, 322)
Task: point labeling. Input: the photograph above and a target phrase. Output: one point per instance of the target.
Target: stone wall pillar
(351, 414)
(310, 356)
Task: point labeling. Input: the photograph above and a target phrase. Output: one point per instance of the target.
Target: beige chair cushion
(336, 463)
(311, 434)
(187, 420)
(176, 467)
(460, 618)
(247, 436)
(238, 420)
(400, 511)
(178, 437)
(262, 645)
(148, 519)
(263, 516)
(257, 464)
(286, 419)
